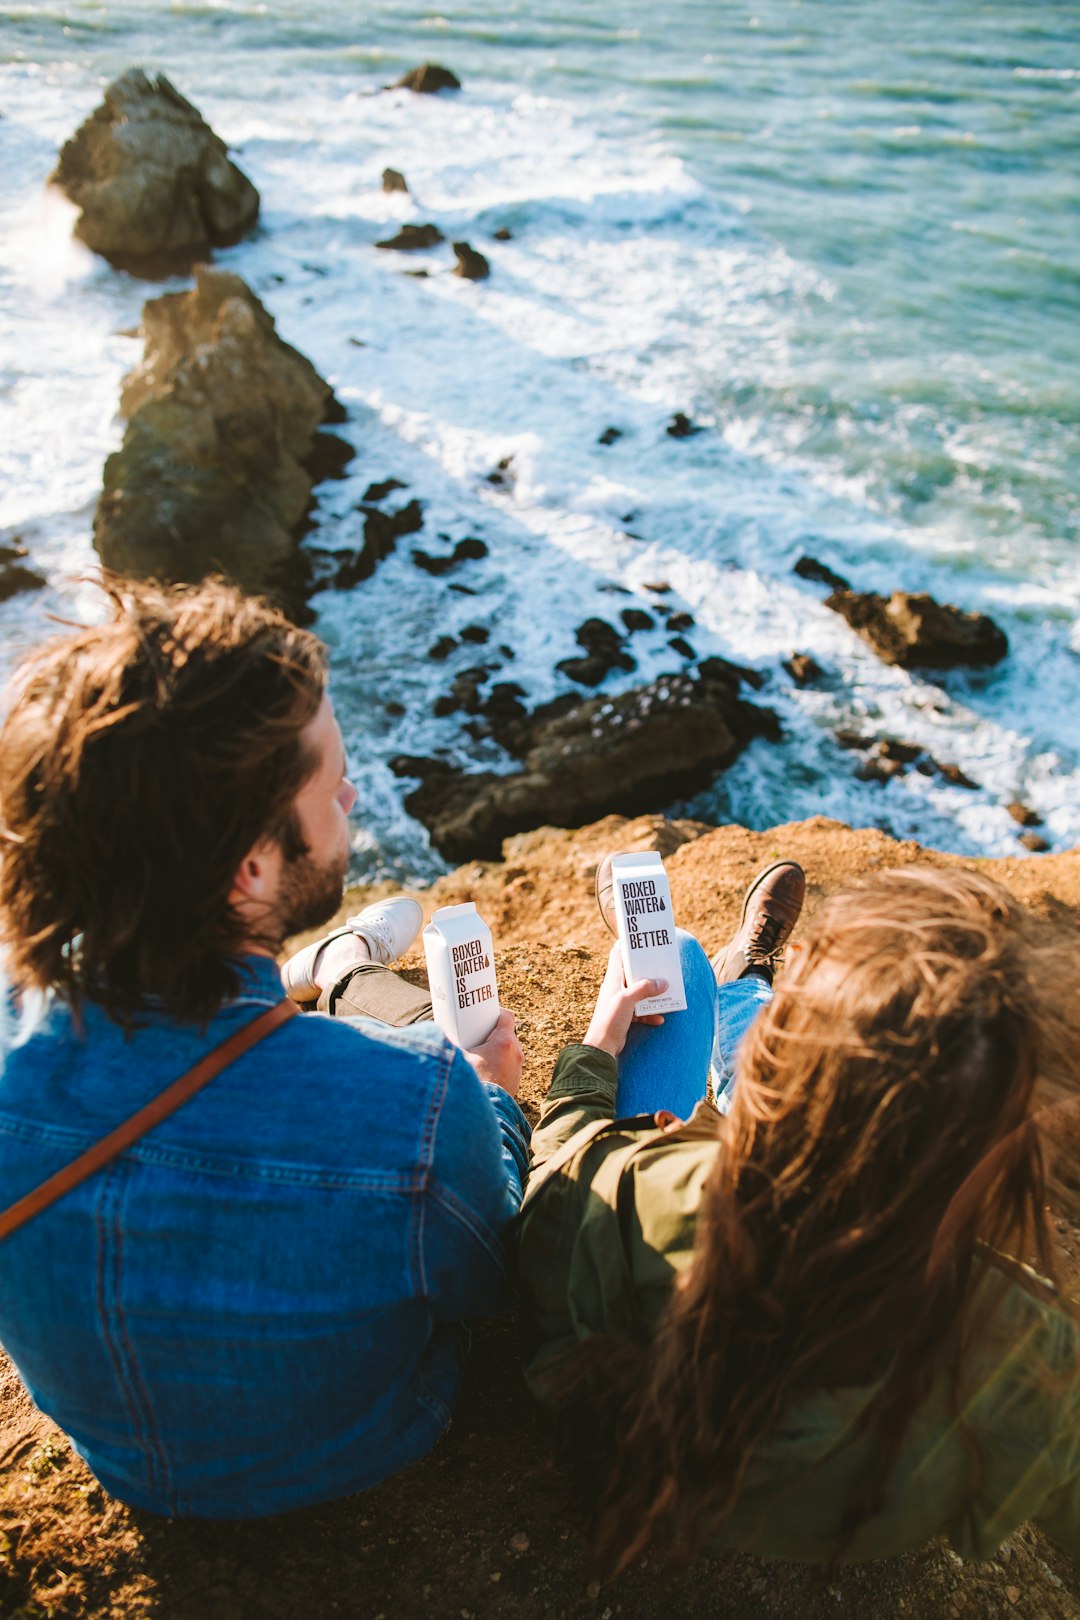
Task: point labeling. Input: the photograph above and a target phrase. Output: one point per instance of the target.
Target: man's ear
(255, 881)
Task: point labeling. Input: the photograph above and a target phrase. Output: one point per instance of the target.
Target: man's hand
(615, 1005)
(500, 1057)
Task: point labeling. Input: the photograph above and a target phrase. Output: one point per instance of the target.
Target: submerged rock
(413, 239)
(803, 669)
(634, 752)
(915, 631)
(427, 79)
(15, 576)
(222, 429)
(470, 264)
(820, 573)
(156, 186)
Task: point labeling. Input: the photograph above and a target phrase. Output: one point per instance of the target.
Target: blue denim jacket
(259, 1305)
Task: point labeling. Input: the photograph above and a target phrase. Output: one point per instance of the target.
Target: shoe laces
(766, 941)
(378, 933)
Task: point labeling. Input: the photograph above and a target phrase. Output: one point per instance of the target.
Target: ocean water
(842, 235)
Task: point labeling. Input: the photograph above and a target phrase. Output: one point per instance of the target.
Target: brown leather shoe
(770, 911)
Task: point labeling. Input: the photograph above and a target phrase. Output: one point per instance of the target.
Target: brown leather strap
(160, 1107)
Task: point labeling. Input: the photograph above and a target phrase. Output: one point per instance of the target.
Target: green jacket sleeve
(582, 1090)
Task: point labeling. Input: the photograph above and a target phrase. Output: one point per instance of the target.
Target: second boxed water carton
(461, 974)
(646, 928)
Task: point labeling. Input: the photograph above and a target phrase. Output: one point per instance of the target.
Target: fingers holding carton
(498, 1060)
(616, 1006)
(465, 994)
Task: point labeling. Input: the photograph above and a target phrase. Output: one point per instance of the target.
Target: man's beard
(310, 892)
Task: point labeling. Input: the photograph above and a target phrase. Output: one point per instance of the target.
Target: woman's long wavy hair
(881, 1139)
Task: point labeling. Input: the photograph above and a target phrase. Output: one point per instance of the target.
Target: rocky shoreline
(227, 444)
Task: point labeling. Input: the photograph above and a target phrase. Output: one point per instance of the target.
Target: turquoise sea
(842, 235)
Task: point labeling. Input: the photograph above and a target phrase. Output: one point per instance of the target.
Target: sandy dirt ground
(483, 1528)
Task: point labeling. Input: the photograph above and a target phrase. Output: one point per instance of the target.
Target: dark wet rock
(681, 427)
(722, 669)
(468, 550)
(440, 650)
(427, 79)
(916, 632)
(503, 234)
(463, 590)
(15, 574)
(584, 759)
(471, 265)
(416, 275)
(1033, 841)
(660, 588)
(222, 418)
(418, 765)
(680, 621)
(507, 651)
(683, 647)
(854, 739)
(957, 777)
(394, 709)
(587, 671)
(611, 587)
(155, 185)
(1024, 814)
(810, 568)
(502, 475)
(378, 492)
(610, 435)
(901, 752)
(879, 770)
(598, 636)
(637, 619)
(328, 457)
(803, 669)
(604, 652)
(394, 180)
(477, 633)
(413, 239)
(382, 531)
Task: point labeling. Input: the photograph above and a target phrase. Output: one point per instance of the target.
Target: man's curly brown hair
(140, 760)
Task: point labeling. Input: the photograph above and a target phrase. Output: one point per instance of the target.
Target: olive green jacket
(608, 1220)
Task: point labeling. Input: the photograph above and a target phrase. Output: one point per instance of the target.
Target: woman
(801, 1328)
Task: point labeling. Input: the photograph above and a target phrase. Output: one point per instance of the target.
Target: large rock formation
(155, 184)
(915, 631)
(635, 752)
(223, 424)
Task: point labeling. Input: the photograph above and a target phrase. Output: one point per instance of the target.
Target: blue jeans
(667, 1066)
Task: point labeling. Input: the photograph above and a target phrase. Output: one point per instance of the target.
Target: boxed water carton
(646, 928)
(461, 974)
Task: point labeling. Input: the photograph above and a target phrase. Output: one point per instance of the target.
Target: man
(258, 1305)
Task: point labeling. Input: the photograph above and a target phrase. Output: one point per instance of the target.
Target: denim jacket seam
(155, 1446)
(425, 1156)
(107, 1288)
(468, 1219)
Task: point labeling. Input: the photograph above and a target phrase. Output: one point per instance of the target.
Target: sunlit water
(842, 236)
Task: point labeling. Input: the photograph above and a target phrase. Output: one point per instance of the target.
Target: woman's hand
(614, 1012)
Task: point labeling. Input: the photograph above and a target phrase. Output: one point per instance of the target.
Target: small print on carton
(461, 974)
(646, 928)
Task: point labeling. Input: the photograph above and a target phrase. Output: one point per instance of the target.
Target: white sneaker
(388, 927)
